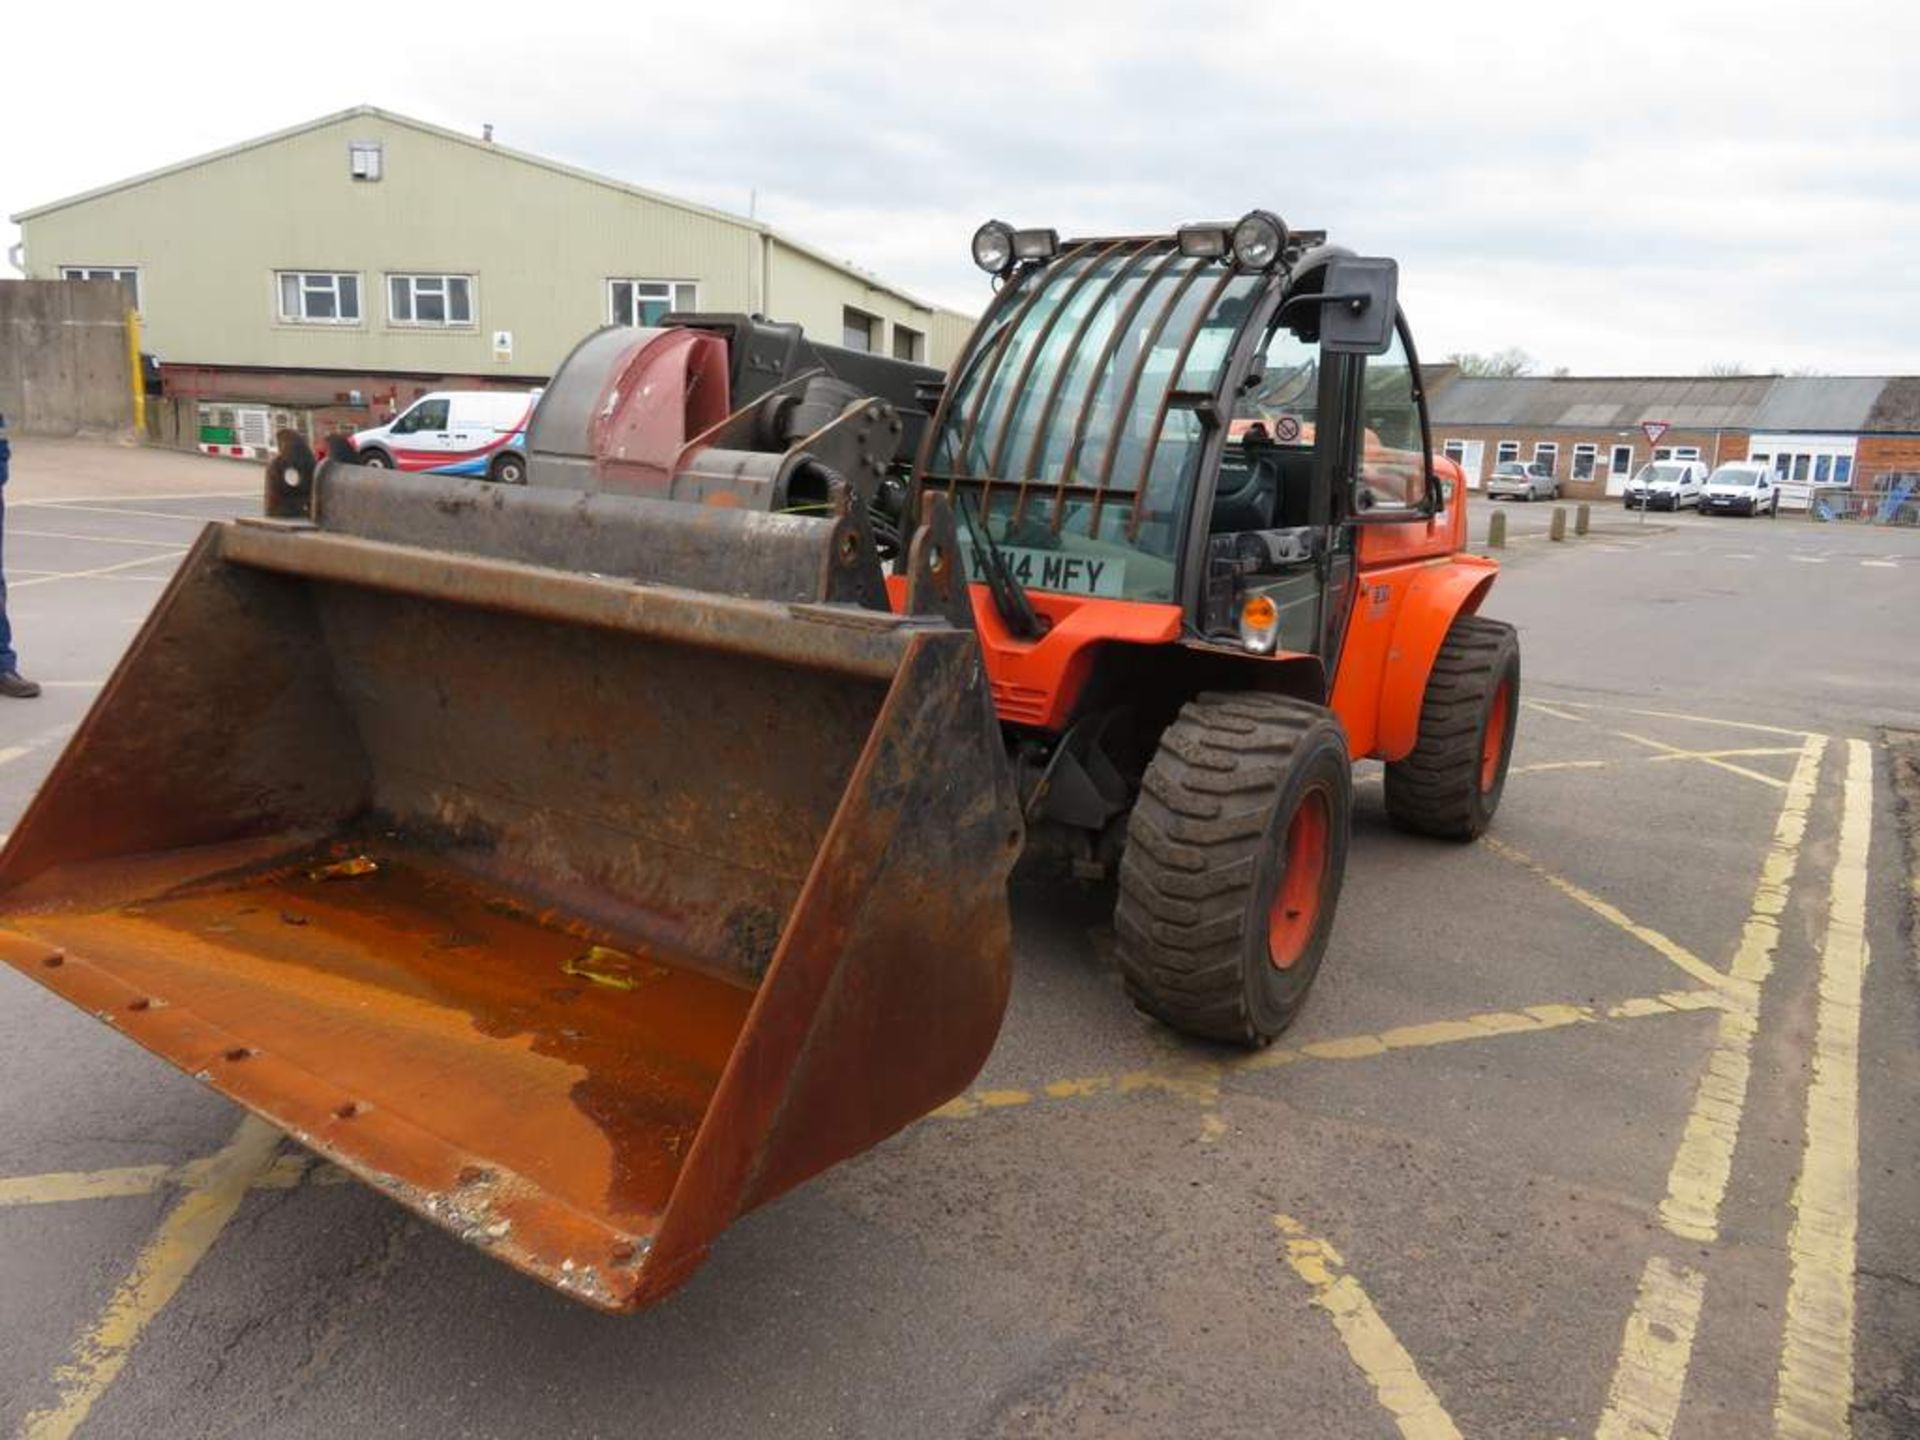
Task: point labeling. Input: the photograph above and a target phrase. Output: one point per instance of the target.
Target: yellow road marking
(1615, 916)
(1676, 752)
(1554, 711)
(1691, 719)
(1199, 1081)
(103, 570)
(1655, 1352)
(83, 1185)
(1371, 1344)
(90, 540)
(1816, 1356)
(1697, 1180)
(180, 1243)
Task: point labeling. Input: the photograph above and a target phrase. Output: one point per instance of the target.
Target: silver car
(1514, 480)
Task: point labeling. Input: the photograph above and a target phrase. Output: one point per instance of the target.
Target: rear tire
(1450, 784)
(1236, 850)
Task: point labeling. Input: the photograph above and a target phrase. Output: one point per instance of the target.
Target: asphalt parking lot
(1604, 1126)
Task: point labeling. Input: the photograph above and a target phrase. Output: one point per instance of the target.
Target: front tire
(1236, 850)
(1449, 785)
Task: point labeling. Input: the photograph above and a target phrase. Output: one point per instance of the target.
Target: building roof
(440, 132)
(1837, 404)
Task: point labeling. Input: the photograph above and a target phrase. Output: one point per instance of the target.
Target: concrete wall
(64, 367)
(539, 242)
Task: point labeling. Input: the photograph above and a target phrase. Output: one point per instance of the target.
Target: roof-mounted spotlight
(1259, 239)
(1203, 242)
(1036, 244)
(993, 247)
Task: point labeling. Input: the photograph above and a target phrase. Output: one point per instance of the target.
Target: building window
(643, 302)
(431, 300)
(1621, 462)
(128, 275)
(365, 160)
(856, 328)
(1509, 450)
(319, 297)
(1547, 453)
(909, 344)
(1584, 458)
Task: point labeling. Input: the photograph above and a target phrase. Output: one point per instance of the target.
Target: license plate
(1058, 570)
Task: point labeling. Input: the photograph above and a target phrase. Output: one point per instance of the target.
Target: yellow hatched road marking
(1618, 918)
(1199, 1081)
(1644, 1398)
(1375, 1350)
(181, 1242)
(1815, 1392)
(1676, 752)
(1697, 1181)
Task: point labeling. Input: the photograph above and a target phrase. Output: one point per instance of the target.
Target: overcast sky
(1616, 188)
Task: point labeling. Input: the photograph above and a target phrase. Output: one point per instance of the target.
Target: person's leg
(11, 685)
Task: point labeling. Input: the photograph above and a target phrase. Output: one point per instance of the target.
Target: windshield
(1071, 419)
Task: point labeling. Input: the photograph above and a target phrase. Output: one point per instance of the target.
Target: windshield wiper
(1009, 594)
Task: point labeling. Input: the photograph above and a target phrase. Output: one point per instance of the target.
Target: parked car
(1742, 487)
(1531, 480)
(455, 432)
(1666, 485)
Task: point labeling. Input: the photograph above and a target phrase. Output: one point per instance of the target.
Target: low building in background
(329, 274)
(1859, 433)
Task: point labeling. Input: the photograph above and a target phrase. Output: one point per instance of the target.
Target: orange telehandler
(587, 862)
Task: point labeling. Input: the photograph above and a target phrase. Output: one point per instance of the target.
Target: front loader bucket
(579, 915)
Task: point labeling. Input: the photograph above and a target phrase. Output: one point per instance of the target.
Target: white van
(455, 432)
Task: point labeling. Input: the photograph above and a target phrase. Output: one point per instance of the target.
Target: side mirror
(1358, 305)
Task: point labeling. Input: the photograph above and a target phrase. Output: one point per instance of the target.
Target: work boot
(16, 686)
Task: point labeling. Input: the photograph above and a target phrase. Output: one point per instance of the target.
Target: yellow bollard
(139, 378)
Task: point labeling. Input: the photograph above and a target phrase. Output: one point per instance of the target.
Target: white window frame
(413, 280)
(666, 290)
(1506, 450)
(303, 285)
(1592, 455)
(1552, 447)
(107, 272)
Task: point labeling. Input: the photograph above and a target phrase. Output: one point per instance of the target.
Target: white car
(455, 432)
(1666, 485)
(1743, 487)
(1516, 481)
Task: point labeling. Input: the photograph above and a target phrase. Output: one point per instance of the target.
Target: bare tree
(1501, 365)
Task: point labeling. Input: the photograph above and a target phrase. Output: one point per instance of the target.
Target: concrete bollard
(1497, 530)
(1558, 531)
(1581, 517)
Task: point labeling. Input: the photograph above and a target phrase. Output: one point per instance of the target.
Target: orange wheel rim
(1295, 911)
(1495, 743)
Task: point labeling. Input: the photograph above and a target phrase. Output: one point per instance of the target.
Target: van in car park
(455, 432)
(1741, 487)
(1666, 485)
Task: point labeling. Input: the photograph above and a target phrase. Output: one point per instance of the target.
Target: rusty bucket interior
(578, 915)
